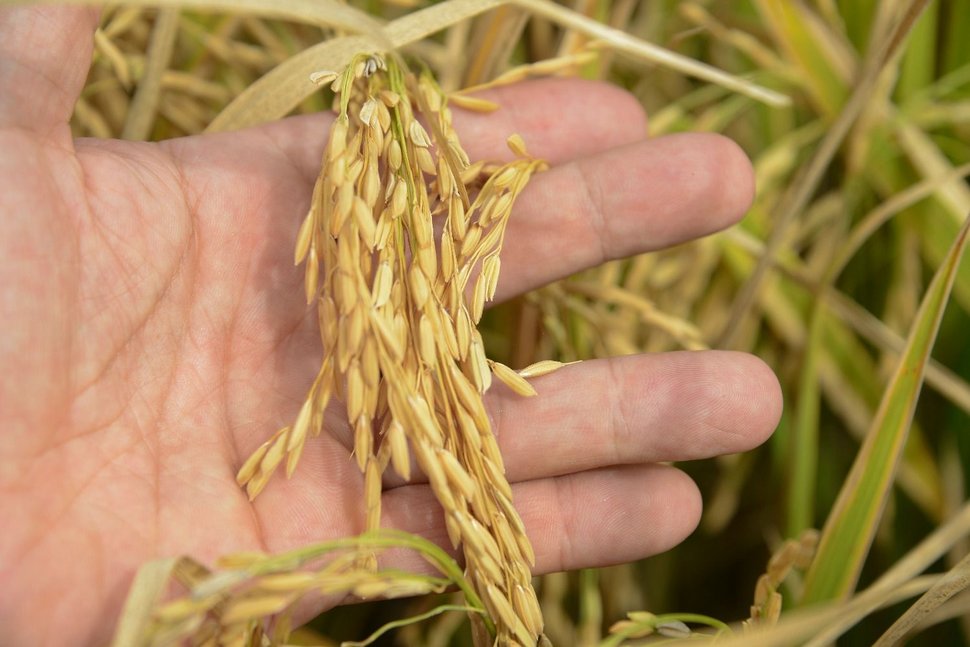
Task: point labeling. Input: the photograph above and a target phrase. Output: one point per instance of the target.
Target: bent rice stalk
(398, 314)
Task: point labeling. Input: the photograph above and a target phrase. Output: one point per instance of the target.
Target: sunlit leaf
(850, 528)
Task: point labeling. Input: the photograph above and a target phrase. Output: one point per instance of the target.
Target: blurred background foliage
(861, 193)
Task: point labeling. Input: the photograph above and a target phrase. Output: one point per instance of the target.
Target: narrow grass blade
(917, 67)
(622, 42)
(956, 45)
(801, 626)
(954, 582)
(318, 12)
(149, 585)
(901, 575)
(278, 92)
(931, 162)
(797, 197)
(495, 36)
(852, 524)
(141, 112)
(804, 457)
(799, 31)
(403, 622)
(823, 625)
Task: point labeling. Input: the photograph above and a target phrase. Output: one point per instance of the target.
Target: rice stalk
(230, 606)
(952, 583)
(397, 316)
(141, 112)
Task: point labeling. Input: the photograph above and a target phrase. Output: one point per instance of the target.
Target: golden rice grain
(504, 610)
(456, 474)
(323, 77)
(472, 103)
(418, 135)
(372, 491)
(363, 445)
(181, 609)
(479, 364)
(286, 582)
(425, 161)
(544, 367)
(303, 239)
(257, 607)
(511, 379)
(527, 608)
(250, 467)
(426, 341)
(400, 457)
(517, 145)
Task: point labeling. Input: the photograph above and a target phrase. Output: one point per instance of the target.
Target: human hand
(155, 332)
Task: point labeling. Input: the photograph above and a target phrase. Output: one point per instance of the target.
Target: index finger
(596, 116)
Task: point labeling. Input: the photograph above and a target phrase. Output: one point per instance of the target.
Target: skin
(154, 333)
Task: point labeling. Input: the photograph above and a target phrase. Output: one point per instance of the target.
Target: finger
(584, 520)
(637, 409)
(638, 198)
(628, 410)
(559, 120)
(45, 53)
(285, 155)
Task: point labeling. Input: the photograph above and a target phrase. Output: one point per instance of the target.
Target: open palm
(154, 333)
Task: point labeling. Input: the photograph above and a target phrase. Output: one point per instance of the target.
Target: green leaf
(804, 457)
(825, 60)
(850, 528)
(917, 68)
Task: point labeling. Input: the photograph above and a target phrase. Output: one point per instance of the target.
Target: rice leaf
(274, 95)
(804, 457)
(902, 575)
(621, 42)
(799, 626)
(852, 524)
(141, 112)
(917, 67)
(825, 623)
(812, 46)
(954, 582)
(494, 38)
(930, 161)
(328, 13)
(798, 195)
(146, 591)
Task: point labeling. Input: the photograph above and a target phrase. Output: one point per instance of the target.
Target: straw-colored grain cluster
(229, 607)
(398, 314)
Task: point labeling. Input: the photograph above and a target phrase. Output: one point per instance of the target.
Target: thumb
(45, 53)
